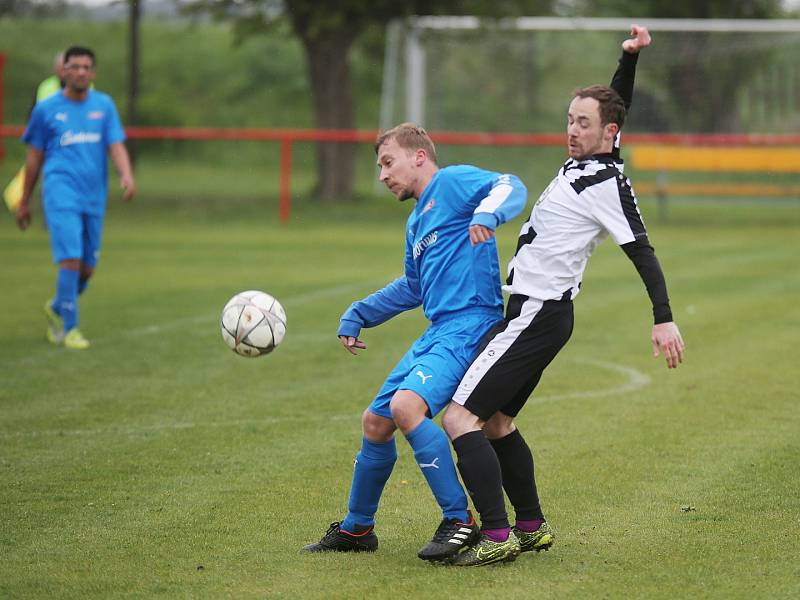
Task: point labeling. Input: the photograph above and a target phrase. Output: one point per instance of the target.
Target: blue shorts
(434, 365)
(75, 235)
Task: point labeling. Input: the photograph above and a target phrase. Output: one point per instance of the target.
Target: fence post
(2, 97)
(285, 198)
(661, 195)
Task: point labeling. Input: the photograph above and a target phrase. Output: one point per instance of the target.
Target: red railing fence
(288, 137)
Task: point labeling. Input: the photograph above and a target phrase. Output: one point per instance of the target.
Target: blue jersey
(444, 272)
(75, 136)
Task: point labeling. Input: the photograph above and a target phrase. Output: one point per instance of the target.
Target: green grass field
(158, 464)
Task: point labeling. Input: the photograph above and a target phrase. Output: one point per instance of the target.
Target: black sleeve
(622, 82)
(644, 259)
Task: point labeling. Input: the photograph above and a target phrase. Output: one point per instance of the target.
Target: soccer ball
(253, 323)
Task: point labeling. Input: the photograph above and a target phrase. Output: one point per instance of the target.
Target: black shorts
(508, 369)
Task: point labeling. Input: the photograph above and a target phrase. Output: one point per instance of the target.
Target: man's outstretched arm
(622, 81)
(375, 309)
(666, 337)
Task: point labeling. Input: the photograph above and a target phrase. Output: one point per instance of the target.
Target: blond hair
(410, 137)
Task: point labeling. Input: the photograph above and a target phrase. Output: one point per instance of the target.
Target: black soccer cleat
(450, 538)
(337, 539)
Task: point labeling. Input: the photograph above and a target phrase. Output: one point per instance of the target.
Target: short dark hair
(78, 51)
(612, 107)
(410, 137)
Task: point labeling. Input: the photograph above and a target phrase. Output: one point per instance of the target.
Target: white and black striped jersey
(588, 200)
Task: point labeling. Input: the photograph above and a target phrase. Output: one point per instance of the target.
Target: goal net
(727, 90)
(466, 74)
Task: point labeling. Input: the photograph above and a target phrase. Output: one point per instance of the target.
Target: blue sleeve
(505, 200)
(379, 307)
(35, 134)
(114, 130)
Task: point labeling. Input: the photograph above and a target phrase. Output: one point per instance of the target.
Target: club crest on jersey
(61, 117)
(429, 206)
(96, 115)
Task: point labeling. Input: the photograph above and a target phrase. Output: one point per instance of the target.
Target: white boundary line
(50, 351)
(635, 380)
(305, 298)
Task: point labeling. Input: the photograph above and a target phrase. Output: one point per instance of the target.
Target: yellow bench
(715, 159)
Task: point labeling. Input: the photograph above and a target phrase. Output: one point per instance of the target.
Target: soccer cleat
(487, 552)
(74, 340)
(338, 540)
(538, 540)
(451, 536)
(55, 324)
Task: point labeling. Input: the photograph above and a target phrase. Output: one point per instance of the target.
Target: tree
(328, 31)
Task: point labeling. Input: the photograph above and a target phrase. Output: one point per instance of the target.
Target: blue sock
(374, 464)
(82, 285)
(432, 453)
(66, 300)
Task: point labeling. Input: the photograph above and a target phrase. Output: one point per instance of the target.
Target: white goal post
(403, 42)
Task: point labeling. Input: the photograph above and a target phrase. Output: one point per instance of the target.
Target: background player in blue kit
(71, 133)
(452, 270)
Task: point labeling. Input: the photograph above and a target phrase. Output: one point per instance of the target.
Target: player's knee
(407, 410)
(499, 426)
(376, 428)
(457, 421)
(71, 264)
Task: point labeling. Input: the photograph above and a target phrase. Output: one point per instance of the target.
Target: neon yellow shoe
(55, 324)
(487, 552)
(538, 540)
(74, 340)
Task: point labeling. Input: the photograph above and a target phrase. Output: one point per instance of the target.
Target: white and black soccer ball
(253, 323)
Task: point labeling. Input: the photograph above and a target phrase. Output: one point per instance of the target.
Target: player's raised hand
(667, 338)
(352, 344)
(641, 39)
(479, 234)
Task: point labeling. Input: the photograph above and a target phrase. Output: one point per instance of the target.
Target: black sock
(519, 481)
(482, 477)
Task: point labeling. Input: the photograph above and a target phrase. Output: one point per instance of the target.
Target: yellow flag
(13, 192)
